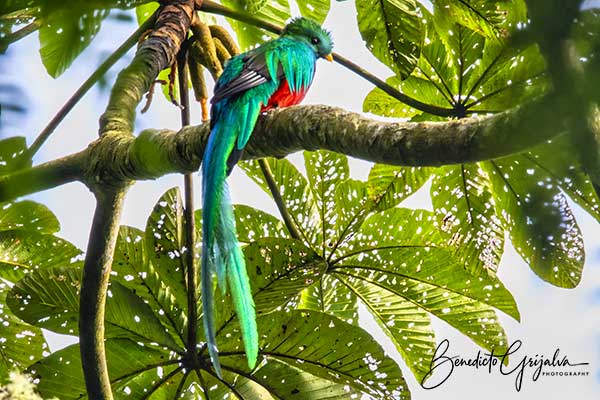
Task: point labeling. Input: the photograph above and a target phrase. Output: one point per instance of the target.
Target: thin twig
(18, 35)
(287, 218)
(87, 85)
(190, 229)
(214, 8)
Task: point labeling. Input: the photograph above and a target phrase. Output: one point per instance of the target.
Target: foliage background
(551, 317)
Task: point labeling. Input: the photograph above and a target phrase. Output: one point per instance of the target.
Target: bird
(275, 74)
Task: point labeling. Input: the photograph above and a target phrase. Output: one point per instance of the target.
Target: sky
(551, 317)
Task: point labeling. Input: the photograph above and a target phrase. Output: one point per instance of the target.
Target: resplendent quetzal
(276, 74)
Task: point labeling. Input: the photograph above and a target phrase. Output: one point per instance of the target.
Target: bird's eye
(315, 40)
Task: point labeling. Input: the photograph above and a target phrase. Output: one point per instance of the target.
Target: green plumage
(248, 83)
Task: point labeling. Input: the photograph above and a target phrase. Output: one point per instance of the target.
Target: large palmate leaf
(466, 68)
(542, 226)
(465, 213)
(20, 343)
(394, 262)
(398, 271)
(275, 11)
(302, 357)
(307, 345)
(392, 32)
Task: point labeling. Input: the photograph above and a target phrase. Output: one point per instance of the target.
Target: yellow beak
(329, 57)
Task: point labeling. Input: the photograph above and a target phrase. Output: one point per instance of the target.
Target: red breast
(284, 97)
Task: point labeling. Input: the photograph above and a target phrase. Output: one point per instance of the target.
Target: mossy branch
(154, 153)
(94, 284)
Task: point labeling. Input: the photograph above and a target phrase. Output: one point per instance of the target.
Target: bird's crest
(310, 31)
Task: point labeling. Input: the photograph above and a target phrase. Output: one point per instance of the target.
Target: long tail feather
(221, 254)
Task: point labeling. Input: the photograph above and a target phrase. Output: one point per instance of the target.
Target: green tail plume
(221, 253)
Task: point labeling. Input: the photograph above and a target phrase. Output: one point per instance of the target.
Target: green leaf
(542, 226)
(165, 242)
(465, 69)
(314, 9)
(506, 76)
(295, 192)
(395, 264)
(325, 295)
(555, 160)
(49, 298)
(8, 6)
(10, 150)
(29, 216)
(465, 213)
(253, 224)
(408, 325)
(380, 103)
(168, 377)
(132, 269)
(414, 233)
(144, 11)
(351, 206)
(325, 171)
(434, 281)
(275, 11)
(20, 344)
(392, 32)
(307, 345)
(481, 16)
(126, 359)
(65, 34)
(279, 270)
(23, 251)
(389, 185)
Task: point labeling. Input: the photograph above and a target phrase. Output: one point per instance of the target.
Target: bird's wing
(253, 72)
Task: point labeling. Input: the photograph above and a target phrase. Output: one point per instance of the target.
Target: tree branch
(155, 153)
(94, 283)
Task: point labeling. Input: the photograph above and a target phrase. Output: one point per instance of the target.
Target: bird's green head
(313, 34)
